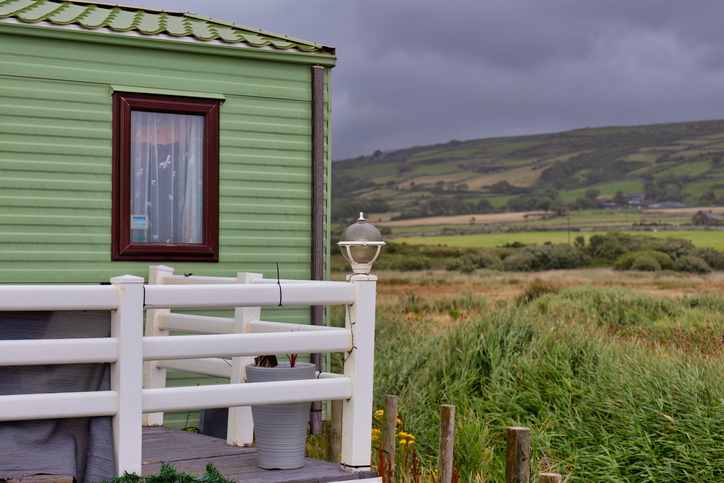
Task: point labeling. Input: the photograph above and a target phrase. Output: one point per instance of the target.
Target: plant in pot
(280, 429)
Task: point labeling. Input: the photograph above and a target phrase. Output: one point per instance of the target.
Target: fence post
(153, 377)
(447, 444)
(389, 432)
(359, 366)
(517, 455)
(127, 373)
(550, 478)
(240, 427)
(334, 433)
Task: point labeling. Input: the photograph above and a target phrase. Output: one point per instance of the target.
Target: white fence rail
(240, 338)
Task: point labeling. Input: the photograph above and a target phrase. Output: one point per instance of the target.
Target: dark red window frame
(122, 249)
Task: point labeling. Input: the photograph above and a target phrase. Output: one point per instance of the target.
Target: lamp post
(360, 244)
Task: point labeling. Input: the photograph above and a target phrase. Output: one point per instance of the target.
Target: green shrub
(565, 257)
(545, 257)
(472, 261)
(646, 263)
(169, 474)
(468, 268)
(483, 260)
(627, 260)
(712, 257)
(691, 264)
(673, 247)
(601, 247)
(613, 245)
(404, 263)
(441, 252)
(453, 265)
(521, 261)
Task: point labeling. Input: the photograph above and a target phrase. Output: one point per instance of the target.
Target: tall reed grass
(617, 386)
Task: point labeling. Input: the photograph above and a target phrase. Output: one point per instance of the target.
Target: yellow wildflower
(406, 438)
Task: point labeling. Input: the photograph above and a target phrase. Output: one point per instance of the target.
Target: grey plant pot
(281, 429)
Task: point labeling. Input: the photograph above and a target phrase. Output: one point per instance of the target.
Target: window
(165, 178)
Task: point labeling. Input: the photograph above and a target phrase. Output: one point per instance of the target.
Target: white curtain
(167, 169)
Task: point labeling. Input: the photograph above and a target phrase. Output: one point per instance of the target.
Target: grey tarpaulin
(80, 447)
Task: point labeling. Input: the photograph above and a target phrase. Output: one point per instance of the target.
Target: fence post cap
(164, 268)
(361, 278)
(127, 279)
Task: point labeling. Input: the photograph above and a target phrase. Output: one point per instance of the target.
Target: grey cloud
(415, 72)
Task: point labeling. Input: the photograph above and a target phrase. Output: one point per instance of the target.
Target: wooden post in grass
(389, 432)
(447, 443)
(550, 478)
(334, 434)
(517, 455)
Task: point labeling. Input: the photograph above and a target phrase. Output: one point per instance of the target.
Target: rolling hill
(675, 161)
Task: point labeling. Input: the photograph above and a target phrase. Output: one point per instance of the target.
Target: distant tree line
(620, 251)
(665, 188)
(543, 199)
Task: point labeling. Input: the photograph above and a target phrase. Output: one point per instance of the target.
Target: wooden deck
(191, 452)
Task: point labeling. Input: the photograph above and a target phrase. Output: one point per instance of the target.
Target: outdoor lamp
(361, 244)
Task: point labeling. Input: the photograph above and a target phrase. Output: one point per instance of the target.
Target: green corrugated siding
(55, 164)
(55, 158)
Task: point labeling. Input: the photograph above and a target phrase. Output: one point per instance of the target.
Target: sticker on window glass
(139, 222)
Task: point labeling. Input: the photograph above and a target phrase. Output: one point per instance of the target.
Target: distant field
(712, 239)
(583, 218)
(480, 219)
(605, 189)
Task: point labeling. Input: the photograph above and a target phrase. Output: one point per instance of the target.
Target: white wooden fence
(240, 338)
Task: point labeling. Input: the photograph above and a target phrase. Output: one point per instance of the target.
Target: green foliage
(691, 264)
(520, 261)
(470, 262)
(169, 474)
(653, 254)
(404, 263)
(627, 261)
(540, 199)
(545, 257)
(613, 245)
(712, 257)
(484, 206)
(592, 194)
(646, 263)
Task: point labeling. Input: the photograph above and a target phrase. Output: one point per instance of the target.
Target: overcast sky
(415, 72)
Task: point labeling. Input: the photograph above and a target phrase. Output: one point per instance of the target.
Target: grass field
(711, 239)
(618, 375)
